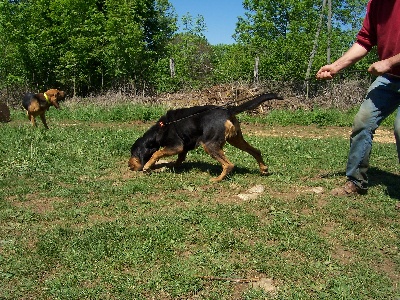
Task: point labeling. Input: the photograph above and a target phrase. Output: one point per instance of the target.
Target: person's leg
(382, 99)
(397, 136)
(397, 132)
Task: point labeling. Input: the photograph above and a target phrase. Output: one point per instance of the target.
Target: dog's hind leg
(31, 118)
(43, 118)
(181, 158)
(239, 142)
(218, 154)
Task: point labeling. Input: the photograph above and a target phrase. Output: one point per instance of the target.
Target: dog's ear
(152, 145)
(61, 95)
(51, 93)
(162, 128)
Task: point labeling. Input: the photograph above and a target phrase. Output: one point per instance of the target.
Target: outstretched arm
(353, 55)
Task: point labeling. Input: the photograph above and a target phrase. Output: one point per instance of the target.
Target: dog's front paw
(216, 179)
(264, 170)
(146, 170)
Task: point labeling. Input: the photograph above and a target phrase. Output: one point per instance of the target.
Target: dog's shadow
(378, 177)
(212, 169)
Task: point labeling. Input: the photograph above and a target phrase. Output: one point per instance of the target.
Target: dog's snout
(134, 164)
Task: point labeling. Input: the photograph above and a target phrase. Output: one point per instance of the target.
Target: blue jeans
(382, 99)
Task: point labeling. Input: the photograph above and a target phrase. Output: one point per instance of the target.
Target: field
(75, 223)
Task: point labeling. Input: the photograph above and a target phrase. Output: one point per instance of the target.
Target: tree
(77, 34)
(137, 34)
(282, 32)
(192, 56)
(232, 63)
(87, 45)
(11, 65)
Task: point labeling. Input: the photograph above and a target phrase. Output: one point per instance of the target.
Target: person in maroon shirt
(381, 28)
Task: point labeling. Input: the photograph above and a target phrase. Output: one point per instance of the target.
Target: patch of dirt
(311, 132)
(342, 255)
(4, 113)
(241, 284)
(389, 268)
(36, 203)
(266, 284)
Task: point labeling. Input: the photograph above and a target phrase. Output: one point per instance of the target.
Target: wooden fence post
(256, 65)
(172, 67)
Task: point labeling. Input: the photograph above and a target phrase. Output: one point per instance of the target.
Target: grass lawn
(75, 223)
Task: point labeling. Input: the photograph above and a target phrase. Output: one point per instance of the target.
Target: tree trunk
(172, 67)
(256, 64)
(328, 50)
(314, 50)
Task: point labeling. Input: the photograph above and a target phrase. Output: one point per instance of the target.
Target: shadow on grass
(212, 169)
(390, 180)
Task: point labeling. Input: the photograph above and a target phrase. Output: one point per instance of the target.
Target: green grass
(75, 223)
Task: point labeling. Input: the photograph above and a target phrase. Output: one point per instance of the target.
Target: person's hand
(326, 72)
(380, 67)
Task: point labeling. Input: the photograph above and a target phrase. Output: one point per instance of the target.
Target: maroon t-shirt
(381, 28)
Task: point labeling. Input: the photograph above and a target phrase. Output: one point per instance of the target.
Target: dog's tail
(252, 104)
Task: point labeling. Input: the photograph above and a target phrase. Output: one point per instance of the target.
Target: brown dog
(181, 130)
(38, 104)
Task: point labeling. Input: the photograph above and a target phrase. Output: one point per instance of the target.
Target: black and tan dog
(181, 130)
(38, 104)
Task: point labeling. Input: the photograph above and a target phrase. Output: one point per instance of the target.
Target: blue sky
(220, 17)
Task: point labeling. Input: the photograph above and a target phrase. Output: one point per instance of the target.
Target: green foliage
(282, 34)
(191, 56)
(232, 63)
(89, 47)
(86, 46)
(137, 32)
(118, 112)
(9, 58)
(320, 117)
